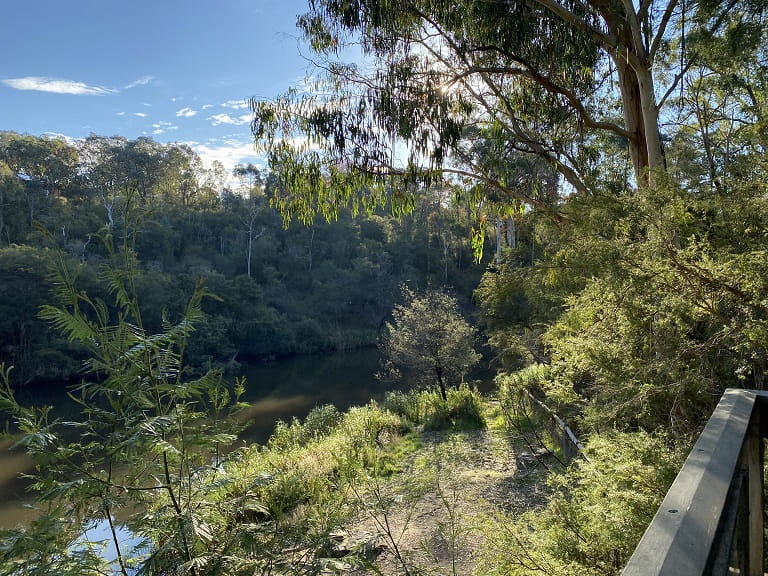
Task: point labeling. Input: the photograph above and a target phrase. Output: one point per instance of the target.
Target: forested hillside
(637, 153)
(279, 292)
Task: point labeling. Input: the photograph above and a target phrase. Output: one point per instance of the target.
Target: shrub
(598, 511)
(320, 422)
(462, 408)
(405, 404)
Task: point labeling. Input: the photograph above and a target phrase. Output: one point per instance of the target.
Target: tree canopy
(587, 87)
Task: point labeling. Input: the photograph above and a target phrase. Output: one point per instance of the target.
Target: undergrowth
(278, 508)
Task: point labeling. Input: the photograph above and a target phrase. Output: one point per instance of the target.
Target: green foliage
(146, 432)
(27, 344)
(673, 313)
(598, 511)
(406, 404)
(51, 544)
(320, 421)
(538, 380)
(428, 342)
(308, 291)
(461, 409)
(274, 508)
(457, 89)
(628, 309)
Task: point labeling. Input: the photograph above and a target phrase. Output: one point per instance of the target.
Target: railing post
(754, 457)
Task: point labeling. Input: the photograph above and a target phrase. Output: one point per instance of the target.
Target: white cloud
(235, 104)
(186, 112)
(229, 153)
(218, 119)
(56, 86)
(121, 113)
(140, 114)
(162, 126)
(143, 81)
(206, 106)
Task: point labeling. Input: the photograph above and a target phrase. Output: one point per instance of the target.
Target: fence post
(755, 537)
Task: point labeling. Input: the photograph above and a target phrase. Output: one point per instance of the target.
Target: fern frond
(74, 326)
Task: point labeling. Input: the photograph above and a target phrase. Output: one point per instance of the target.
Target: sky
(174, 70)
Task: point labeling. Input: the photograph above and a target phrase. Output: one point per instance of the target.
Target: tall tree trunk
(650, 115)
(511, 232)
(251, 239)
(499, 238)
(633, 116)
(250, 246)
(633, 63)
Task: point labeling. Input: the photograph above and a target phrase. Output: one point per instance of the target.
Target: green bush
(320, 422)
(405, 404)
(461, 409)
(598, 511)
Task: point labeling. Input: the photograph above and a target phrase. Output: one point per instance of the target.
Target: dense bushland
(280, 291)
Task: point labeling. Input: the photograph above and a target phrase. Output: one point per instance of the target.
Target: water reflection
(284, 389)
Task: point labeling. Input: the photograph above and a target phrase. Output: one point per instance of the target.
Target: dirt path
(430, 517)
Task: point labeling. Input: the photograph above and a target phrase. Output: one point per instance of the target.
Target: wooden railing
(711, 520)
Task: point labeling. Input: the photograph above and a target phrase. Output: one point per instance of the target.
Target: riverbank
(277, 390)
(318, 489)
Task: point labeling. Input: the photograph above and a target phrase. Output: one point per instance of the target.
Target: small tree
(149, 438)
(429, 340)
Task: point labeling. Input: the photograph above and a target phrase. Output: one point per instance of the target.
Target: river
(275, 391)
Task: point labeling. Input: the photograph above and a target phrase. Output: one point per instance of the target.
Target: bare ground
(429, 519)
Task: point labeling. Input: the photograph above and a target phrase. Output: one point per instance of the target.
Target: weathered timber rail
(711, 522)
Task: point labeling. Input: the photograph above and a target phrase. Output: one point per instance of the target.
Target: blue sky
(174, 70)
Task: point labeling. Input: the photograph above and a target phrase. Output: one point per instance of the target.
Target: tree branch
(642, 12)
(494, 183)
(553, 88)
(673, 86)
(536, 146)
(661, 29)
(634, 28)
(606, 41)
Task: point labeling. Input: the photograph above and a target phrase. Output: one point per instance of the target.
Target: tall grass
(463, 408)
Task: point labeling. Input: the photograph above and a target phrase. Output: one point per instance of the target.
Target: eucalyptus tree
(101, 175)
(45, 165)
(249, 176)
(179, 171)
(51, 161)
(722, 105)
(558, 80)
